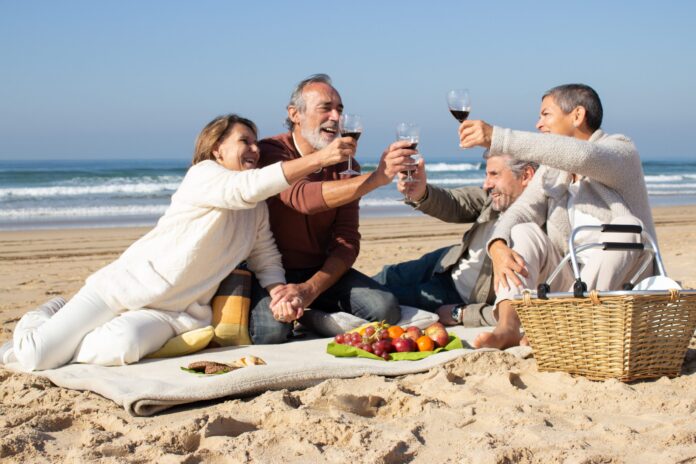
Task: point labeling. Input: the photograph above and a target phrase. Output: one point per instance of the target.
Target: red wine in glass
(460, 115)
(354, 134)
(350, 125)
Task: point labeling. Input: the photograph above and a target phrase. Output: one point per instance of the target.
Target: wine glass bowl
(459, 103)
(410, 132)
(350, 125)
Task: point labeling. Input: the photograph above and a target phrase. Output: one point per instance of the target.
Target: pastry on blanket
(214, 367)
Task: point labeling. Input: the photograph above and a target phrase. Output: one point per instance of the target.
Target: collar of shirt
(294, 142)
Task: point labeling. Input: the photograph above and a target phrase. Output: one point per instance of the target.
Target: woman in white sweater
(587, 177)
(162, 285)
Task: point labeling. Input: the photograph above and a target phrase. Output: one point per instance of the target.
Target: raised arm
(608, 159)
(309, 196)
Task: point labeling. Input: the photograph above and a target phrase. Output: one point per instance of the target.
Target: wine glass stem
(350, 163)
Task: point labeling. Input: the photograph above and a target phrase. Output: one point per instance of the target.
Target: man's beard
(314, 137)
(502, 202)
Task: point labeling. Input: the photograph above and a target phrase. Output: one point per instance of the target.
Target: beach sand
(489, 407)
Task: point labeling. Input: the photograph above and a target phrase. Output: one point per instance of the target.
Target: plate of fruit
(384, 342)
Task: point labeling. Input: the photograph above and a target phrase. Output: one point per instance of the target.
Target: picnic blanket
(153, 385)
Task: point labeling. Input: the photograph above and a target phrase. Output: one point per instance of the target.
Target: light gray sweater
(612, 185)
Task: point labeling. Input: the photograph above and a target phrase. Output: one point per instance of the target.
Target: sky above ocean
(131, 79)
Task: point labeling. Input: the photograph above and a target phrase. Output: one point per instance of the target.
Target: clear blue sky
(138, 79)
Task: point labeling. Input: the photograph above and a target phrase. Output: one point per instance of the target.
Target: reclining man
(588, 178)
(315, 221)
(456, 281)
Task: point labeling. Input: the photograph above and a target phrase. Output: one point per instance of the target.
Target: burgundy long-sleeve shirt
(306, 230)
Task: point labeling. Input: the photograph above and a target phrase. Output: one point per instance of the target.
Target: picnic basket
(624, 335)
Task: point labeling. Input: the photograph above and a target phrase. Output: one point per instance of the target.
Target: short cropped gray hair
(570, 96)
(516, 166)
(296, 98)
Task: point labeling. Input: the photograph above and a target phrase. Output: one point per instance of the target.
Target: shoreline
(371, 212)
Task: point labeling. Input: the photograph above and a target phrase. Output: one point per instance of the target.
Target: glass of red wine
(459, 104)
(350, 125)
(411, 132)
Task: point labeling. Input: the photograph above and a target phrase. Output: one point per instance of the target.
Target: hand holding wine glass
(411, 133)
(459, 103)
(350, 125)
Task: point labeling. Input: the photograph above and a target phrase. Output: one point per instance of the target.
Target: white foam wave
(443, 167)
(663, 178)
(477, 182)
(72, 191)
(679, 187)
(381, 201)
(90, 211)
(658, 193)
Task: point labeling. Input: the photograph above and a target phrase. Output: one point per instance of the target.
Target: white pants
(86, 330)
(605, 269)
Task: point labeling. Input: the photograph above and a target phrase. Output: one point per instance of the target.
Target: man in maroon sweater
(315, 221)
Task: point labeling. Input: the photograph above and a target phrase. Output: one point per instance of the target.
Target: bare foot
(501, 338)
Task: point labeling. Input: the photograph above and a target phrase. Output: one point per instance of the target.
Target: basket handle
(579, 287)
(623, 228)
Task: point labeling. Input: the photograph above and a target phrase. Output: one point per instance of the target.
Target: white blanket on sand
(154, 385)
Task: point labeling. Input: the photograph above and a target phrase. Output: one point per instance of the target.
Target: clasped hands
(288, 301)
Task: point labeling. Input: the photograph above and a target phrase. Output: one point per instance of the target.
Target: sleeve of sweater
(304, 196)
(606, 160)
(208, 184)
(460, 205)
(530, 206)
(264, 259)
(345, 242)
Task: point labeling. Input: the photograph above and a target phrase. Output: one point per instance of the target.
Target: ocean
(108, 193)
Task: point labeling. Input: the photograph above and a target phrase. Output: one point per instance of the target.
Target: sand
(487, 408)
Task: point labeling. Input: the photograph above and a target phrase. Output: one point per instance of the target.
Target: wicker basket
(610, 335)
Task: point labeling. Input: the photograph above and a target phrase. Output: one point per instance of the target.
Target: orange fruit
(425, 343)
(395, 331)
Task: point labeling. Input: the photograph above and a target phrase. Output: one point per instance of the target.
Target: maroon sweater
(306, 230)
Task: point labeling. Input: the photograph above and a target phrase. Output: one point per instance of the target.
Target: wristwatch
(458, 313)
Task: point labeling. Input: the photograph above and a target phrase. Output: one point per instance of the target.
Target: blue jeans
(414, 284)
(354, 293)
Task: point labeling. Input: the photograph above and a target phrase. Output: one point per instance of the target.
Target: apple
(413, 333)
(404, 345)
(437, 332)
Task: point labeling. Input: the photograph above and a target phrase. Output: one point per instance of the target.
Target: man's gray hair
(570, 96)
(516, 166)
(296, 98)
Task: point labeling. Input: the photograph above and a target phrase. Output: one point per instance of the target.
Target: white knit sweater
(613, 184)
(217, 219)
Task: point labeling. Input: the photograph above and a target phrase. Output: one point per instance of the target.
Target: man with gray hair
(315, 221)
(455, 282)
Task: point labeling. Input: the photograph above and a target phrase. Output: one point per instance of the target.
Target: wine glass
(409, 131)
(350, 125)
(459, 103)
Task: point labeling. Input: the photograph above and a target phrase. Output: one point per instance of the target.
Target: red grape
(340, 339)
(369, 331)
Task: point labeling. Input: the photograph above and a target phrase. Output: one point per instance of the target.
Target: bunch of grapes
(383, 339)
(373, 341)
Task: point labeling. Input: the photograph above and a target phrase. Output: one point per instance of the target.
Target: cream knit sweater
(612, 185)
(216, 220)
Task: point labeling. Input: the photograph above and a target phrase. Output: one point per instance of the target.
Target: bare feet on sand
(500, 338)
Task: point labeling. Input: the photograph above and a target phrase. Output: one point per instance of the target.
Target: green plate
(347, 351)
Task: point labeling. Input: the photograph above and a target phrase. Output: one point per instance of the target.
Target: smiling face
(552, 119)
(317, 124)
(501, 183)
(238, 152)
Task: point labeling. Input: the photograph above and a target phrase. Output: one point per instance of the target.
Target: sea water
(107, 193)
